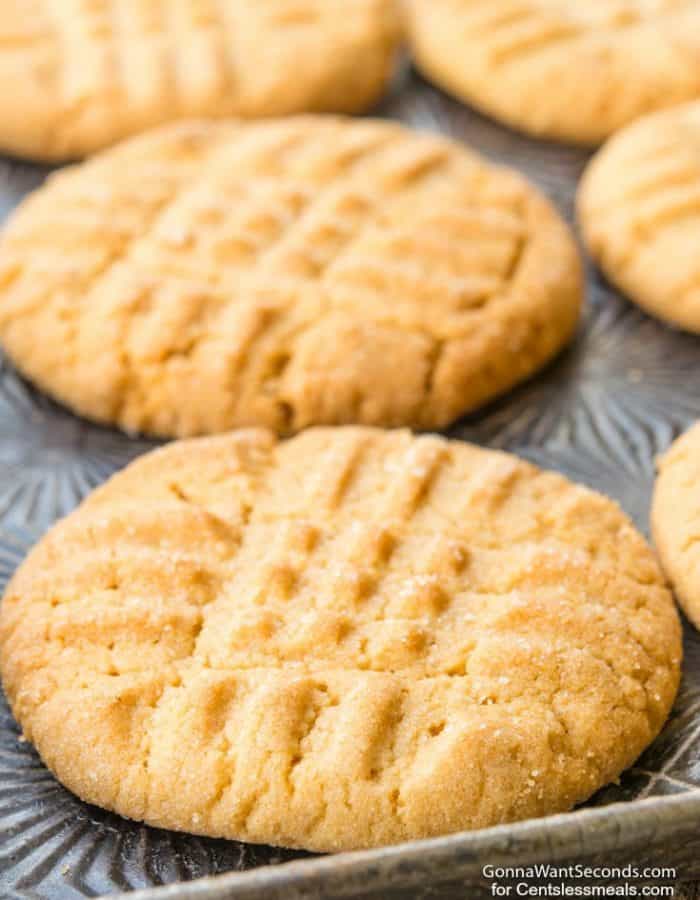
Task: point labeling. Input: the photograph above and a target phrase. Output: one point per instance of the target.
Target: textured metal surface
(599, 414)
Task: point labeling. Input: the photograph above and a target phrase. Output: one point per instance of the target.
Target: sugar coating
(87, 74)
(572, 71)
(303, 271)
(639, 207)
(280, 642)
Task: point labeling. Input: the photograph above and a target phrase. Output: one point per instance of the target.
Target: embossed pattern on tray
(600, 413)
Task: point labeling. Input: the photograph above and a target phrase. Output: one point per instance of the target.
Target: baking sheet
(600, 413)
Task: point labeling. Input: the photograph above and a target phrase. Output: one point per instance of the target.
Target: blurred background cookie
(675, 519)
(79, 76)
(288, 273)
(571, 70)
(639, 208)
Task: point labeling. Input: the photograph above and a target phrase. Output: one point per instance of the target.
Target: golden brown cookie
(348, 639)
(675, 519)
(78, 76)
(639, 207)
(571, 70)
(288, 273)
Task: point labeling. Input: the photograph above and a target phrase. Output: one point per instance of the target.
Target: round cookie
(639, 208)
(348, 639)
(675, 519)
(562, 69)
(302, 271)
(85, 75)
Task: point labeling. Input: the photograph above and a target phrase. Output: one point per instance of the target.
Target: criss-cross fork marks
(296, 625)
(104, 46)
(371, 539)
(521, 28)
(109, 69)
(328, 206)
(504, 56)
(233, 266)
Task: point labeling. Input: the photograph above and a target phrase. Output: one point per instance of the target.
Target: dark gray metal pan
(600, 414)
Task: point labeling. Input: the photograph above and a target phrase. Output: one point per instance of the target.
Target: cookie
(639, 208)
(675, 519)
(561, 69)
(281, 274)
(347, 639)
(85, 75)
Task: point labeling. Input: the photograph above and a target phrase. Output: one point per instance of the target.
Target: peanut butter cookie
(571, 70)
(639, 207)
(351, 638)
(282, 274)
(675, 519)
(78, 76)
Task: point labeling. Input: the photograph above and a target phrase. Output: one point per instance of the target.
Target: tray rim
(579, 834)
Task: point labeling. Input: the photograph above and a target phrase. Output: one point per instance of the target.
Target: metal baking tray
(600, 414)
